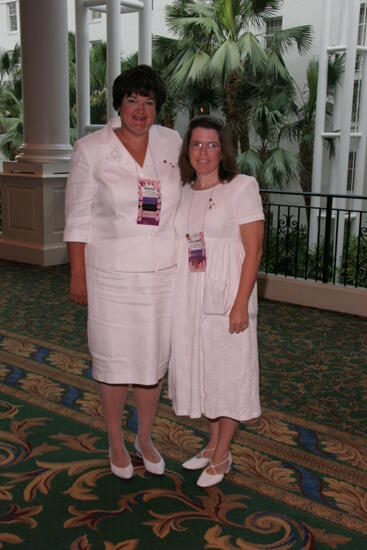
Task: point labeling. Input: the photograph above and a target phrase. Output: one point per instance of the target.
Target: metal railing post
(327, 240)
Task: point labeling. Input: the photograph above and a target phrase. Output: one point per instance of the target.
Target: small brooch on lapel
(170, 164)
(114, 154)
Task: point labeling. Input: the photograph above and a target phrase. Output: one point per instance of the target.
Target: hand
(78, 290)
(238, 318)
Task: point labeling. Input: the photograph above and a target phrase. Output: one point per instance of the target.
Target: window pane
(356, 104)
(275, 24)
(95, 15)
(12, 16)
(362, 29)
(351, 170)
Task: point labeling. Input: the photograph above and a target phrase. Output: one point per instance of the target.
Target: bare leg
(113, 398)
(207, 452)
(147, 398)
(227, 428)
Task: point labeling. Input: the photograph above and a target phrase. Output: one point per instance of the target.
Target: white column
(347, 95)
(320, 118)
(343, 17)
(113, 50)
(321, 99)
(346, 119)
(45, 76)
(82, 67)
(145, 33)
(362, 127)
(359, 177)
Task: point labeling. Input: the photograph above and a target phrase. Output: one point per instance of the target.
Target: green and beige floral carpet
(299, 479)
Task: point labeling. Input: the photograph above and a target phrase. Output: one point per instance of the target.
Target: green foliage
(286, 252)
(218, 47)
(353, 270)
(11, 105)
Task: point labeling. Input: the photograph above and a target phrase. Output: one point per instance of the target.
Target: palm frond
(259, 12)
(285, 39)
(252, 52)
(205, 24)
(10, 105)
(12, 137)
(130, 61)
(191, 68)
(276, 68)
(98, 66)
(185, 16)
(280, 169)
(336, 70)
(267, 120)
(249, 163)
(225, 16)
(225, 61)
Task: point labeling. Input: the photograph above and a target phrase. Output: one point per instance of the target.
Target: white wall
(7, 39)
(307, 12)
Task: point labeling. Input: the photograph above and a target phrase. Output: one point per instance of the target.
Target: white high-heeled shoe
(125, 472)
(207, 480)
(197, 462)
(156, 468)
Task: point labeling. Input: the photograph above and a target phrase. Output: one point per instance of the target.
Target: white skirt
(129, 325)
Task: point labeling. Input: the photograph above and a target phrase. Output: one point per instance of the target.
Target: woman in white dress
(122, 193)
(219, 226)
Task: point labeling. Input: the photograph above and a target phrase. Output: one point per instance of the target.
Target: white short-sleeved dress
(130, 267)
(212, 372)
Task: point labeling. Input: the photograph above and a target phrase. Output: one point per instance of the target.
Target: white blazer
(101, 204)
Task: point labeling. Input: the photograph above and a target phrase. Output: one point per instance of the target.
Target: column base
(33, 253)
(33, 196)
(41, 153)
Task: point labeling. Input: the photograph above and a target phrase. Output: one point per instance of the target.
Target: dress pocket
(215, 298)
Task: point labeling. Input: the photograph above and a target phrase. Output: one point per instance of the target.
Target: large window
(356, 104)
(12, 17)
(362, 29)
(272, 26)
(351, 170)
(95, 16)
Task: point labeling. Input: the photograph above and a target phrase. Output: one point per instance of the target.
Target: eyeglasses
(210, 147)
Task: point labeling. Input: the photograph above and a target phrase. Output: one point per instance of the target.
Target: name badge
(149, 202)
(196, 252)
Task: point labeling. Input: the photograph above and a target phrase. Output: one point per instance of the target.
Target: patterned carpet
(300, 471)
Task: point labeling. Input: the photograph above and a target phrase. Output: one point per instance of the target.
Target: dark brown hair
(227, 167)
(142, 80)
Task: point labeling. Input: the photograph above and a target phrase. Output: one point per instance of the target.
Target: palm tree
(11, 122)
(217, 44)
(10, 68)
(273, 105)
(98, 82)
(11, 105)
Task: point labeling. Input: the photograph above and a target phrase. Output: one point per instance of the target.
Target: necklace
(209, 206)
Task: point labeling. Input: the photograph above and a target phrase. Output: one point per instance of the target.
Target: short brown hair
(141, 80)
(227, 166)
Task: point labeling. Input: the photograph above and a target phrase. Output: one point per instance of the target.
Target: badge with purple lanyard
(196, 251)
(149, 201)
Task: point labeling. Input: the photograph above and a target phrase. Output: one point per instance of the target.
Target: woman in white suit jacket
(122, 193)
